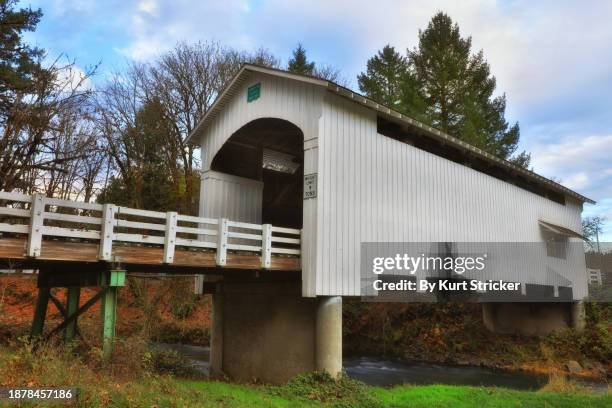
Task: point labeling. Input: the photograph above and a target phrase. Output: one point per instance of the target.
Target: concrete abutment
(268, 332)
(532, 319)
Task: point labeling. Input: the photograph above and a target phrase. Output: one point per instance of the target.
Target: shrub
(165, 361)
(182, 309)
(321, 387)
(172, 332)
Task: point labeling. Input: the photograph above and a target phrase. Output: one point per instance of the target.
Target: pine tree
(444, 85)
(457, 88)
(299, 63)
(385, 76)
(18, 61)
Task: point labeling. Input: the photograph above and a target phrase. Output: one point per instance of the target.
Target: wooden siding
(371, 188)
(375, 189)
(281, 98)
(227, 196)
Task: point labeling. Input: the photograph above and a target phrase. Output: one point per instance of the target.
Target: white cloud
(147, 6)
(61, 7)
(155, 26)
(74, 77)
(577, 181)
(540, 52)
(582, 163)
(552, 58)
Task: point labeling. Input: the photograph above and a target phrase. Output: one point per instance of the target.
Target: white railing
(108, 224)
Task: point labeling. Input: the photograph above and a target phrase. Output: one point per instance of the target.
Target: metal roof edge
(446, 138)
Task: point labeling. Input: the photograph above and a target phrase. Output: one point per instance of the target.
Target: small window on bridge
(556, 244)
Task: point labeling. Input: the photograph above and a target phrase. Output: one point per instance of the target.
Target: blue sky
(553, 59)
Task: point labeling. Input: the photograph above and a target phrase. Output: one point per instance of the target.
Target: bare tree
(185, 82)
(592, 227)
(29, 127)
(162, 103)
(330, 73)
(117, 106)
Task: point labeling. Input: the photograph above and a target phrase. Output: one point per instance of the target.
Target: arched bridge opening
(269, 151)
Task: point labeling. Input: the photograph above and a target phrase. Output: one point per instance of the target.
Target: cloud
(147, 6)
(73, 77)
(581, 163)
(154, 27)
(553, 59)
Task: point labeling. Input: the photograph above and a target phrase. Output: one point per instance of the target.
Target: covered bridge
(303, 153)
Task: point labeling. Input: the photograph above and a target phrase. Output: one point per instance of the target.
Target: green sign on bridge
(254, 92)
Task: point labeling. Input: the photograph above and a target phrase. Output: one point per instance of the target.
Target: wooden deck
(50, 231)
(13, 254)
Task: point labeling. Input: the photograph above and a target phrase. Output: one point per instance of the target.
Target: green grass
(459, 397)
(220, 394)
(217, 394)
(132, 380)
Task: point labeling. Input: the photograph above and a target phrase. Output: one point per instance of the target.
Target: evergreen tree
(442, 83)
(457, 87)
(385, 76)
(19, 63)
(299, 63)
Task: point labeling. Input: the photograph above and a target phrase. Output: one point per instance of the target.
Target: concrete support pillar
(328, 342)
(578, 318)
(216, 334)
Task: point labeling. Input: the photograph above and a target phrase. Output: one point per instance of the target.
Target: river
(386, 373)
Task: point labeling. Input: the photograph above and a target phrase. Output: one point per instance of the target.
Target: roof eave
(437, 134)
(243, 73)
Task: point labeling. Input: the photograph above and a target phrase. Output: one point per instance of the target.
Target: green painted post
(40, 312)
(109, 303)
(72, 305)
(111, 280)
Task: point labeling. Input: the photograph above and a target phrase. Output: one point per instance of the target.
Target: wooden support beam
(79, 312)
(109, 317)
(40, 312)
(72, 305)
(58, 305)
(111, 281)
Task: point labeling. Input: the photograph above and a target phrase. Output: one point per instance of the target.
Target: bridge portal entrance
(264, 164)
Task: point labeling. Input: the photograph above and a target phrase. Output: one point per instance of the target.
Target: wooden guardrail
(38, 216)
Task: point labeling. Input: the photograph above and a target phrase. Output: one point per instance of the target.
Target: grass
(459, 397)
(134, 380)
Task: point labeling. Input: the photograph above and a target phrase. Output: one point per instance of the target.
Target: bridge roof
(248, 69)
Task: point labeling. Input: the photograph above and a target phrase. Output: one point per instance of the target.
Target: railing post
(266, 246)
(107, 233)
(170, 237)
(37, 210)
(222, 242)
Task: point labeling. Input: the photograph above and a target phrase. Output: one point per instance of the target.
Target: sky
(552, 59)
